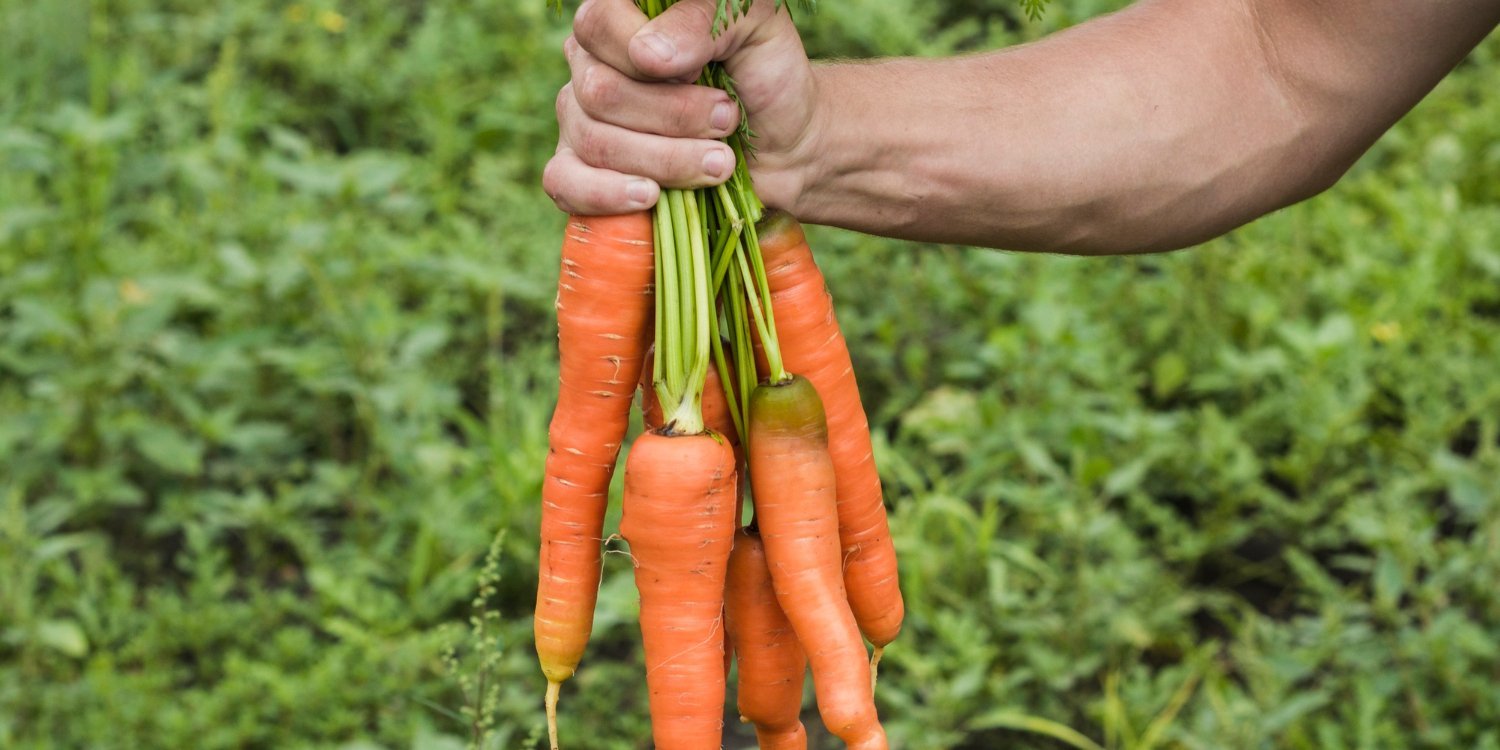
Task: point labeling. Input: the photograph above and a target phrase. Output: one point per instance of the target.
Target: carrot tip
(553, 690)
(874, 668)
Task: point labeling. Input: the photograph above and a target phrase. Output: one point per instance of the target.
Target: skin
(1151, 129)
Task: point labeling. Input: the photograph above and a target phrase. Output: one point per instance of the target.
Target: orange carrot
(678, 516)
(604, 308)
(813, 346)
(771, 659)
(792, 478)
(716, 416)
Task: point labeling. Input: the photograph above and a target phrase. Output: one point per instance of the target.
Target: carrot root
(677, 516)
(603, 310)
(553, 690)
(772, 662)
(794, 739)
(813, 346)
(792, 477)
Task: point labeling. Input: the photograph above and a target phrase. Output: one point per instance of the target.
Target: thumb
(679, 42)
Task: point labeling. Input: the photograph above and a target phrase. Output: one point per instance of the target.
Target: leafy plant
(275, 322)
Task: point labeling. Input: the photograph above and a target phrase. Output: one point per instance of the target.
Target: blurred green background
(277, 357)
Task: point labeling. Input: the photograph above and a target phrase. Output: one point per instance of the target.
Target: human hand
(632, 122)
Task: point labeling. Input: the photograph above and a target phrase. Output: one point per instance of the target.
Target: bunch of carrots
(715, 310)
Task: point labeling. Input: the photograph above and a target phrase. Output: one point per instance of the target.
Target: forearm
(1151, 129)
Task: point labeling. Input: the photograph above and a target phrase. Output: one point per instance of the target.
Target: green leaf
(1168, 374)
(169, 449)
(1127, 478)
(1007, 719)
(63, 636)
(1390, 581)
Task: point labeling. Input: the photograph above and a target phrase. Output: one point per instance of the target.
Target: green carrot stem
(661, 308)
(669, 375)
(762, 285)
(749, 375)
(727, 200)
(705, 301)
(729, 246)
(685, 234)
(767, 340)
(744, 351)
(728, 379)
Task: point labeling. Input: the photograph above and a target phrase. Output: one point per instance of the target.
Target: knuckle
(583, 19)
(591, 25)
(685, 115)
(553, 183)
(596, 90)
(705, 13)
(687, 160)
(561, 105)
(552, 179)
(592, 147)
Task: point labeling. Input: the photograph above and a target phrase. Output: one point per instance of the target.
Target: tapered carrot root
(792, 477)
(813, 346)
(604, 308)
(678, 516)
(772, 662)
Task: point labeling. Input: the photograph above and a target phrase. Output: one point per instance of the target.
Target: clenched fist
(632, 121)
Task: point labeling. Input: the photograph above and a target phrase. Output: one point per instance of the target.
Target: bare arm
(1150, 129)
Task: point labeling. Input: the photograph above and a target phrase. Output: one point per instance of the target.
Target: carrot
(603, 315)
(813, 346)
(716, 417)
(771, 659)
(792, 477)
(679, 520)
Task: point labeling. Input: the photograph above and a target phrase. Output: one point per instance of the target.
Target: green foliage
(276, 363)
(269, 312)
(1034, 8)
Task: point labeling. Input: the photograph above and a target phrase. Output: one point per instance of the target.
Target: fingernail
(715, 162)
(660, 46)
(639, 192)
(724, 116)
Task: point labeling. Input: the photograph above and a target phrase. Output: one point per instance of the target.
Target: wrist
(788, 174)
(839, 162)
